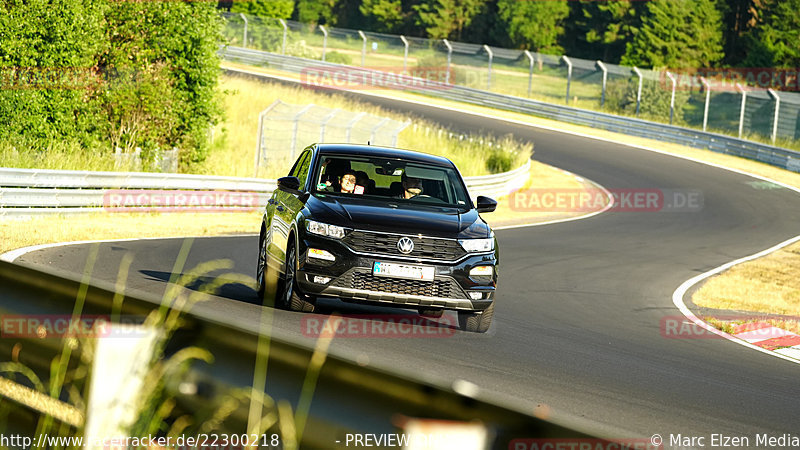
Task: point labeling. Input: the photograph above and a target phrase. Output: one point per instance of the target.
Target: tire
(261, 267)
(290, 296)
(431, 312)
(476, 322)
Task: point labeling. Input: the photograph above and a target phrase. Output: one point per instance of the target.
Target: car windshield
(390, 180)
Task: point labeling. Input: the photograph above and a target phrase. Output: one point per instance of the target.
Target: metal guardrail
(34, 192)
(776, 156)
(349, 397)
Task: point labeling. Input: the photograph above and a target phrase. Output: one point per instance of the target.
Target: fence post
(569, 74)
(449, 54)
(324, 41)
(639, 92)
(261, 116)
(777, 98)
(244, 39)
(325, 121)
(605, 83)
(405, 52)
(708, 100)
(672, 99)
(530, 70)
(352, 123)
(296, 123)
(491, 55)
(363, 47)
(375, 128)
(741, 108)
(283, 43)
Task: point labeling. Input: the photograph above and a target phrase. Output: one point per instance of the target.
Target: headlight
(323, 229)
(477, 245)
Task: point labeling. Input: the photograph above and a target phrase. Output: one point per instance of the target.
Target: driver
(411, 186)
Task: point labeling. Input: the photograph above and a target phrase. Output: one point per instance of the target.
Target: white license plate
(403, 271)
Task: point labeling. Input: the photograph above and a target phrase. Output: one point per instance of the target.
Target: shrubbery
(106, 74)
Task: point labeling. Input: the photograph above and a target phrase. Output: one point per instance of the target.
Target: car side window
(300, 169)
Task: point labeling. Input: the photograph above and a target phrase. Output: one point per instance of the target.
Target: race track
(580, 304)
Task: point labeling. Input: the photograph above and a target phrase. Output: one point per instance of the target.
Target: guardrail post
(285, 30)
(324, 41)
(777, 98)
(363, 47)
(569, 74)
(605, 83)
(405, 52)
(449, 55)
(672, 98)
(530, 70)
(489, 73)
(708, 100)
(244, 38)
(639, 91)
(741, 108)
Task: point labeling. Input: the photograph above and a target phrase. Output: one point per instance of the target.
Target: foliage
(677, 34)
(774, 44)
(103, 74)
(316, 11)
(600, 30)
(447, 18)
(388, 14)
(621, 99)
(279, 9)
(534, 25)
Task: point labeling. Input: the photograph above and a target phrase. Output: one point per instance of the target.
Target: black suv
(380, 226)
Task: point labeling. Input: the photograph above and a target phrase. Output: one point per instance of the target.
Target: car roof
(383, 152)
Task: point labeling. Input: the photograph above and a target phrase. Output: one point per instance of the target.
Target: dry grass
(235, 139)
(729, 326)
(16, 233)
(769, 284)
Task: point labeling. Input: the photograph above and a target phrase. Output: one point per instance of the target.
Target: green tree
(388, 14)
(601, 30)
(534, 25)
(677, 34)
(739, 18)
(775, 42)
(278, 9)
(317, 11)
(447, 18)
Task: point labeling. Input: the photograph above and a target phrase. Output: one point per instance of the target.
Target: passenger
(411, 186)
(348, 183)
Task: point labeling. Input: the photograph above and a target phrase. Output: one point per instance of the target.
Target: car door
(285, 206)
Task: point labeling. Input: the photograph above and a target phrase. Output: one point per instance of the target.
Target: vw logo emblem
(405, 245)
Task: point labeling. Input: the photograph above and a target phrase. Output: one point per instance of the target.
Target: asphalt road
(580, 304)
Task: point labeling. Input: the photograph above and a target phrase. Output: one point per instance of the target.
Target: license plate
(403, 271)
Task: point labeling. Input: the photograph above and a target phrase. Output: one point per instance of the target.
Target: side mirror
(289, 183)
(486, 204)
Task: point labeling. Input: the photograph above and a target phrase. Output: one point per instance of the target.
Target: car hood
(397, 217)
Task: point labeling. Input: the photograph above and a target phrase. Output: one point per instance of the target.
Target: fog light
(485, 271)
(320, 254)
(476, 295)
(321, 280)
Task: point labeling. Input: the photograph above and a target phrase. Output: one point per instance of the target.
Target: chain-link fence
(285, 129)
(684, 98)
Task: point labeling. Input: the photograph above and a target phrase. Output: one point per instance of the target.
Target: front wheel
(290, 297)
(476, 322)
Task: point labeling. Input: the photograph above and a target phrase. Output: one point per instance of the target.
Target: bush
(656, 96)
(338, 58)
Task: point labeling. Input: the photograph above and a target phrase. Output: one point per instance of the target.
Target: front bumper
(351, 279)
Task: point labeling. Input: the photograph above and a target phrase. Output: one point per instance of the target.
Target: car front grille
(386, 244)
(443, 287)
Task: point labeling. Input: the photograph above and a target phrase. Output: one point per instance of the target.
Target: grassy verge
(235, 143)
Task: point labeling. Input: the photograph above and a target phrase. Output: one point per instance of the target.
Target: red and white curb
(769, 337)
